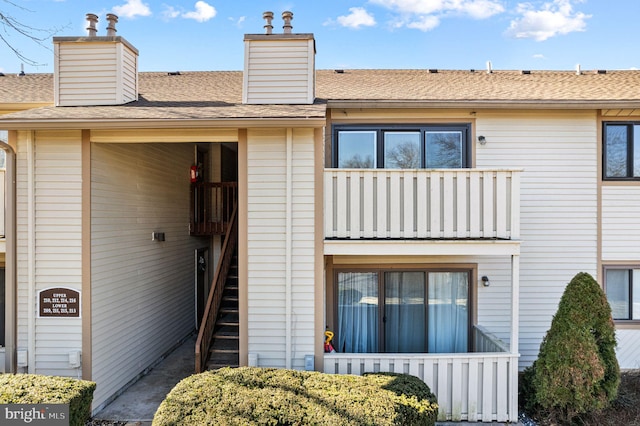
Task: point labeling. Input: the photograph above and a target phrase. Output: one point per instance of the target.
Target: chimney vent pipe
(268, 17)
(287, 17)
(111, 28)
(92, 19)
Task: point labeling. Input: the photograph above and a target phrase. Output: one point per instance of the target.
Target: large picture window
(622, 286)
(413, 311)
(621, 151)
(401, 147)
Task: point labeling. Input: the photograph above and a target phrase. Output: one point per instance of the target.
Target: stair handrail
(205, 335)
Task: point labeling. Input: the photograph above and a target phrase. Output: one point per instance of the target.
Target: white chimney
(95, 70)
(279, 68)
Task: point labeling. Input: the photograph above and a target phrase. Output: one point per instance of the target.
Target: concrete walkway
(139, 402)
(137, 405)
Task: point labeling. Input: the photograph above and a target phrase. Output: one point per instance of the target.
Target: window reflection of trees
(444, 150)
(403, 155)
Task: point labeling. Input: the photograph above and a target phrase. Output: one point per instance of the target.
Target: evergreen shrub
(576, 371)
(37, 389)
(266, 396)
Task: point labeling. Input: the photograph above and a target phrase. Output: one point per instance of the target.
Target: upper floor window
(622, 286)
(401, 147)
(621, 150)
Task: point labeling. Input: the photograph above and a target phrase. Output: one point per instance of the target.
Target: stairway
(224, 350)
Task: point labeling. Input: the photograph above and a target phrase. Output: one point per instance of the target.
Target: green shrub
(36, 389)
(250, 395)
(576, 371)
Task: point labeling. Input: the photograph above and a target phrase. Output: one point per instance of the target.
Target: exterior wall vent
(95, 70)
(279, 68)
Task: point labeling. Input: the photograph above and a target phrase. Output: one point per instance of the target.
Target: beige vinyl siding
(621, 243)
(95, 73)
(49, 214)
(267, 246)
(628, 349)
(621, 223)
(142, 290)
(279, 72)
(558, 152)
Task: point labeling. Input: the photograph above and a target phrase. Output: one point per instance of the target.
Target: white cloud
(358, 17)
(238, 22)
(554, 18)
(539, 56)
(426, 15)
(203, 12)
(424, 23)
(170, 12)
(131, 9)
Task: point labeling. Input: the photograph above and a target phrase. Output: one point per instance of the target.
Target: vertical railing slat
(501, 205)
(456, 389)
(487, 389)
(381, 205)
(409, 206)
(395, 207)
(487, 205)
(472, 397)
(444, 392)
(462, 209)
(434, 195)
(502, 369)
(368, 209)
(329, 205)
(448, 212)
(341, 204)
(515, 206)
(422, 195)
(475, 206)
(354, 206)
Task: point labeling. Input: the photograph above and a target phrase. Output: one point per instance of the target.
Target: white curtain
(448, 312)
(405, 311)
(357, 312)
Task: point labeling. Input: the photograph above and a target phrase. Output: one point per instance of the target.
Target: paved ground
(138, 403)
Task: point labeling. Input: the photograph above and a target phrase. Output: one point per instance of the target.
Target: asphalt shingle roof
(218, 94)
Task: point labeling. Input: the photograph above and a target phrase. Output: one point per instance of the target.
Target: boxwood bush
(266, 396)
(37, 389)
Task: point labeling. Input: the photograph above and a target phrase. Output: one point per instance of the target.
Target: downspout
(31, 253)
(288, 247)
(10, 330)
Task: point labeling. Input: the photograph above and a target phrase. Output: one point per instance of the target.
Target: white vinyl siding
(558, 153)
(49, 228)
(267, 261)
(142, 290)
(628, 349)
(95, 73)
(279, 71)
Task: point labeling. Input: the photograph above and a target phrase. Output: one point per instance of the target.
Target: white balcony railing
(474, 387)
(422, 203)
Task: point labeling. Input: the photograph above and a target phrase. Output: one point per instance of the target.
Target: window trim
(627, 267)
(380, 130)
(471, 315)
(630, 151)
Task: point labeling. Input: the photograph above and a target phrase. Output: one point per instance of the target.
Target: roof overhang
(483, 104)
(259, 122)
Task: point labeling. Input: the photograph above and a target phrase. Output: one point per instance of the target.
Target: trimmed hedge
(267, 396)
(36, 389)
(577, 370)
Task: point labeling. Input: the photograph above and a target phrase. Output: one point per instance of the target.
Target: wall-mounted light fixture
(485, 281)
(482, 140)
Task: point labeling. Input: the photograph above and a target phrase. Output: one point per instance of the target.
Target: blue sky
(188, 35)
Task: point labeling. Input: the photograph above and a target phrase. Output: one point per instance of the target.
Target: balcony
(212, 204)
(438, 204)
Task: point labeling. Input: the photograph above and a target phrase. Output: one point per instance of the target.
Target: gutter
(137, 123)
(484, 104)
